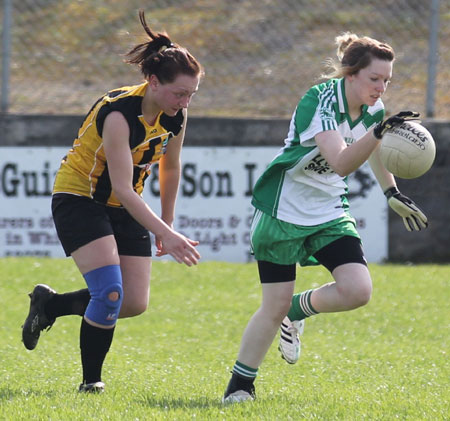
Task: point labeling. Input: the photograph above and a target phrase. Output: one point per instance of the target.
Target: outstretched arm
(169, 180)
(169, 175)
(413, 217)
(120, 166)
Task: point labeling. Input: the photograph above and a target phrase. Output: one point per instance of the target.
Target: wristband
(390, 192)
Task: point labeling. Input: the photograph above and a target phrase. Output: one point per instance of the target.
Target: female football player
(100, 216)
(301, 207)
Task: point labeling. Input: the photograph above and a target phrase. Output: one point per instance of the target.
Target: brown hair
(161, 57)
(355, 53)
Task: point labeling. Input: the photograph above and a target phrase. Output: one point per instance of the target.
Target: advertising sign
(213, 204)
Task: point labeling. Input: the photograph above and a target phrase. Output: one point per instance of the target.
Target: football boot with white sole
(97, 387)
(290, 345)
(239, 389)
(238, 397)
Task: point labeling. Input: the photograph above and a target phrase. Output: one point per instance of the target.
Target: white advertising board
(213, 205)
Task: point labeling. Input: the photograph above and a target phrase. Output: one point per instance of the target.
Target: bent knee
(363, 297)
(355, 294)
(140, 308)
(362, 294)
(133, 309)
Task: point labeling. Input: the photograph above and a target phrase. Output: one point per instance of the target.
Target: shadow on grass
(8, 393)
(169, 403)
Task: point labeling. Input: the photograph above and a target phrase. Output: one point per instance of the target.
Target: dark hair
(161, 57)
(355, 53)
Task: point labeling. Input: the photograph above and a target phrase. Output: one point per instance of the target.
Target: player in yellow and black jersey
(84, 171)
(100, 217)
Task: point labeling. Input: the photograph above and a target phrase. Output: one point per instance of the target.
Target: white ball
(407, 150)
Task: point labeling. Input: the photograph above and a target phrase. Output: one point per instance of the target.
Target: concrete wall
(431, 191)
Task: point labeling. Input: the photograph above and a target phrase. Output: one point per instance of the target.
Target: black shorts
(80, 220)
(346, 249)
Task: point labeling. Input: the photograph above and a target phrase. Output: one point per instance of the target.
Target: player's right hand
(181, 248)
(393, 121)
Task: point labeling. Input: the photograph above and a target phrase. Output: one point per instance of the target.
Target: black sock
(238, 382)
(69, 303)
(94, 345)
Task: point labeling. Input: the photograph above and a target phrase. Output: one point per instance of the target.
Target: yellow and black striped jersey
(84, 170)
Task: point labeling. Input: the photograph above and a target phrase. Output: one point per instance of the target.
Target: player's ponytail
(356, 53)
(343, 41)
(161, 57)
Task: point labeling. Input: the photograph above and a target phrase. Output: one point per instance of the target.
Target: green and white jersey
(299, 186)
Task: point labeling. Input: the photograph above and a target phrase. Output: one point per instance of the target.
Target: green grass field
(386, 361)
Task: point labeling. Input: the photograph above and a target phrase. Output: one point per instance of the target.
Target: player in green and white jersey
(299, 186)
(301, 207)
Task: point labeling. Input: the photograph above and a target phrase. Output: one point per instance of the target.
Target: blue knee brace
(101, 282)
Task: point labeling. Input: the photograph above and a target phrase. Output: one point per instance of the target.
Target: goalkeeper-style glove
(393, 121)
(413, 217)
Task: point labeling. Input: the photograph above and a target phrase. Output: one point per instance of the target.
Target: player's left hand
(413, 217)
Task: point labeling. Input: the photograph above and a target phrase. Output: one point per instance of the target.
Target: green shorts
(283, 243)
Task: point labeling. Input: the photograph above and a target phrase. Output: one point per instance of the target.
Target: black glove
(393, 121)
(413, 217)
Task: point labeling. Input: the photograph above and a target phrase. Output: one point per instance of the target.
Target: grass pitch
(388, 360)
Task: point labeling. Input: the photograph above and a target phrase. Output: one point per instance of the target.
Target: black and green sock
(244, 370)
(242, 378)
